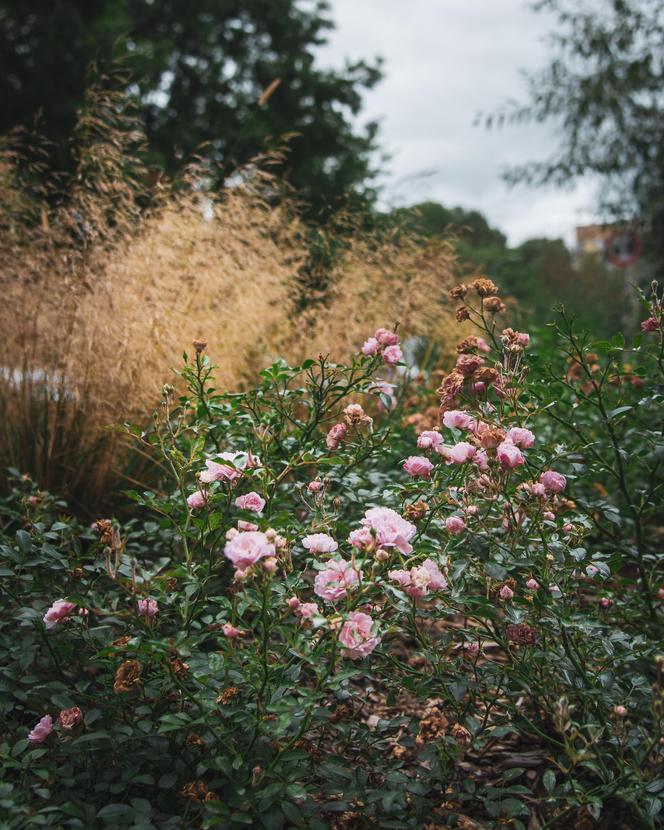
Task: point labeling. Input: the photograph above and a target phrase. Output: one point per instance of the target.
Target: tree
(604, 89)
(239, 74)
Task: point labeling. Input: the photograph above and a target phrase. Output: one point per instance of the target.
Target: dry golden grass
(103, 292)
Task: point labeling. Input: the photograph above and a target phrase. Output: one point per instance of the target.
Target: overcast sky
(446, 60)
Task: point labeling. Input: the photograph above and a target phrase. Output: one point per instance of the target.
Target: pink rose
(41, 731)
(509, 456)
(315, 486)
(521, 437)
(356, 636)
(244, 526)
(390, 529)
(548, 516)
(245, 549)
(481, 345)
(554, 482)
(252, 501)
(418, 466)
(392, 355)
(522, 338)
(231, 632)
(197, 500)
(506, 592)
(307, 610)
(293, 603)
(59, 611)
(148, 608)
(333, 583)
(532, 584)
(620, 711)
(225, 472)
(319, 543)
(455, 524)
(335, 436)
(481, 460)
(386, 337)
(456, 419)
(458, 454)
(538, 490)
(429, 438)
(370, 346)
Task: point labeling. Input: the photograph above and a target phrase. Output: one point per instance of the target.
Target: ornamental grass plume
(108, 278)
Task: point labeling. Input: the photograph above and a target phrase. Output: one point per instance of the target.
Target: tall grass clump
(108, 276)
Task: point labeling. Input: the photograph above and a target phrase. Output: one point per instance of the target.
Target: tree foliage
(236, 74)
(604, 89)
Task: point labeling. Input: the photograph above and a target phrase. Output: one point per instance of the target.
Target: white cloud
(445, 61)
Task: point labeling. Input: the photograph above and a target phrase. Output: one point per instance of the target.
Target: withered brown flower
(523, 634)
(127, 676)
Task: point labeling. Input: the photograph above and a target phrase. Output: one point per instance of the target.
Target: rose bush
(356, 602)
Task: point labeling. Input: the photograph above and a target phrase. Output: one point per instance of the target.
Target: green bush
(328, 620)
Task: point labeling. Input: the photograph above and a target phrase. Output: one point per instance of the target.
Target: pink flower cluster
(382, 528)
(335, 436)
(387, 343)
(357, 635)
(420, 580)
(304, 610)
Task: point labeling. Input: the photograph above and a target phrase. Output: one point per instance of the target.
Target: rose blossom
(455, 524)
(506, 592)
(554, 482)
(521, 437)
(69, 718)
(457, 419)
(251, 501)
(59, 611)
(245, 549)
(548, 516)
(148, 608)
(41, 731)
(355, 636)
(244, 526)
(392, 355)
(386, 337)
(293, 603)
(621, 711)
(197, 500)
(231, 632)
(538, 490)
(605, 602)
(458, 454)
(418, 581)
(307, 610)
(532, 584)
(391, 530)
(224, 472)
(370, 346)
(481, 461)
(335, 436)
(429, 438)
(319, 543)
(509, 456)
(418, 466)
(315, 486)
(333, 583)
